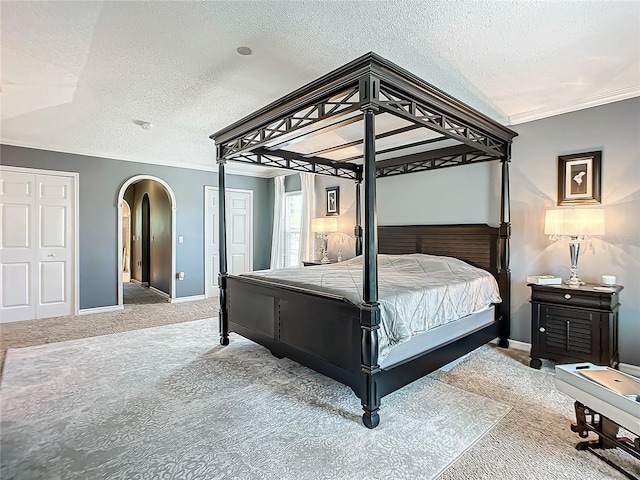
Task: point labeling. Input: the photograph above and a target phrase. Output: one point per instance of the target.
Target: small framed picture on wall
(579, 178)
(333, 201)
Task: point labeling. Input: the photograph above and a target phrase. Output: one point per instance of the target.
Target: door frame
(207, 211)
(172, 199)
(76, 212)
(128, 264)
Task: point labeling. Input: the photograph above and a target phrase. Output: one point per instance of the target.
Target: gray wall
(343, 239)
(613, 129)
(292, 183)
(470, 194)
(100, 180)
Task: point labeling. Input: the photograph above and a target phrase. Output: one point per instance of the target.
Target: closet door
(55, 250)
(18, 246)
(38, 246)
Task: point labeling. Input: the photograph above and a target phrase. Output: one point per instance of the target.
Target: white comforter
(416, 292)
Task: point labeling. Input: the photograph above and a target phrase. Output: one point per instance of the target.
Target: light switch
(180, 239)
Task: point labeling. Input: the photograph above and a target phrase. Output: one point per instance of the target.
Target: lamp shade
(574, 222)
(324, 224)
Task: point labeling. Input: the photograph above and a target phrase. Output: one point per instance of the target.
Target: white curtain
(277, 242)
(307, 184)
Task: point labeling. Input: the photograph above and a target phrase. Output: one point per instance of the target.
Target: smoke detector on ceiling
(244, 50)
(143, 124)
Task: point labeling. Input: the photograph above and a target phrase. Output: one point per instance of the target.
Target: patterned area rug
(169, 402)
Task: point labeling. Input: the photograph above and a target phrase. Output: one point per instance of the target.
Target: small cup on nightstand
(608, 280)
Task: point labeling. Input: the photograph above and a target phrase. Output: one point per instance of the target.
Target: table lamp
(323, 226)
(578, 224)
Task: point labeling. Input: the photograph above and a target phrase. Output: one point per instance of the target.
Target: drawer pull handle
(542, 329)
(568, 333)
(567, 296)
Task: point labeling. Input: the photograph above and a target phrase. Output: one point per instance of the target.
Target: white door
(37, 248)
(239, 235)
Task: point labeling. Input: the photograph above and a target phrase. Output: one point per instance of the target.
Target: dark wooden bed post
(222, 241)
(357, 230)
(504, 274)
(370, 309)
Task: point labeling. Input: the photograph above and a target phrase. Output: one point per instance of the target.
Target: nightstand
(574, 324)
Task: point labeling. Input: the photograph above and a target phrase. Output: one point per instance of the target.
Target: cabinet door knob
(542, 329)
(567, 296)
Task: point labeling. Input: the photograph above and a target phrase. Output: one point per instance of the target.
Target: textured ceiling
(77, 76)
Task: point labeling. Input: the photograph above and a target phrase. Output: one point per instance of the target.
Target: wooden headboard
(476, 244)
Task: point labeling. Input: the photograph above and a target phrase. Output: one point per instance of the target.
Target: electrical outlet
(180, 239)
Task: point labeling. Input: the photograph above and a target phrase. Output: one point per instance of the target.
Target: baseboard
(516, 344)
(187, 299)
(623, 367)
(630, 369)
(160, 292)
(110, 308)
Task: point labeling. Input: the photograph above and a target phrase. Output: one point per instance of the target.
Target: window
(292, 221)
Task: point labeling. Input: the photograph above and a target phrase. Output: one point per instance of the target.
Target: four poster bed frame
(423, 128)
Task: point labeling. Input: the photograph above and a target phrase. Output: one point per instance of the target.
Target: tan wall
(160, 254)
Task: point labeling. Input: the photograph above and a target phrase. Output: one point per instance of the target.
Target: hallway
(135, 294)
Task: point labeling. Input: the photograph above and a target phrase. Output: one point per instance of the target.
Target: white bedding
(417, 292)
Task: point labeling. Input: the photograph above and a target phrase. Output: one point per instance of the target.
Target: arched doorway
(168, 229)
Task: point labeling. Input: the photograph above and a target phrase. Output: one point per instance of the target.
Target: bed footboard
(319, 331)
(329, 335)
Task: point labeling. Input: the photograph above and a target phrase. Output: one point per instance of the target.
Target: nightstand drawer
(605, 301)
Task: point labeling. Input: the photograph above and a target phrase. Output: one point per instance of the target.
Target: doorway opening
(126, 242)
(146, 241)
(151, 254)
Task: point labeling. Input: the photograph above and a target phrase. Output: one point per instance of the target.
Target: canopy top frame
(455, 134)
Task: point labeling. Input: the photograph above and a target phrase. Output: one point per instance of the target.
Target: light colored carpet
(169, 402)
(132, 317)
(534, 440)
(135, 294)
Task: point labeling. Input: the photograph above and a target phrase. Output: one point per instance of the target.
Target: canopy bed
(367, 120)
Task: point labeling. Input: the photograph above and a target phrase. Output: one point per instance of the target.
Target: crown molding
(595, 101)
(236, 169)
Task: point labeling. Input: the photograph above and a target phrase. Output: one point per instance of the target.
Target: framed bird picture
(579, 178)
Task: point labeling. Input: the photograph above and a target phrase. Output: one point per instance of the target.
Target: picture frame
(333, 201)
(579, 178)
